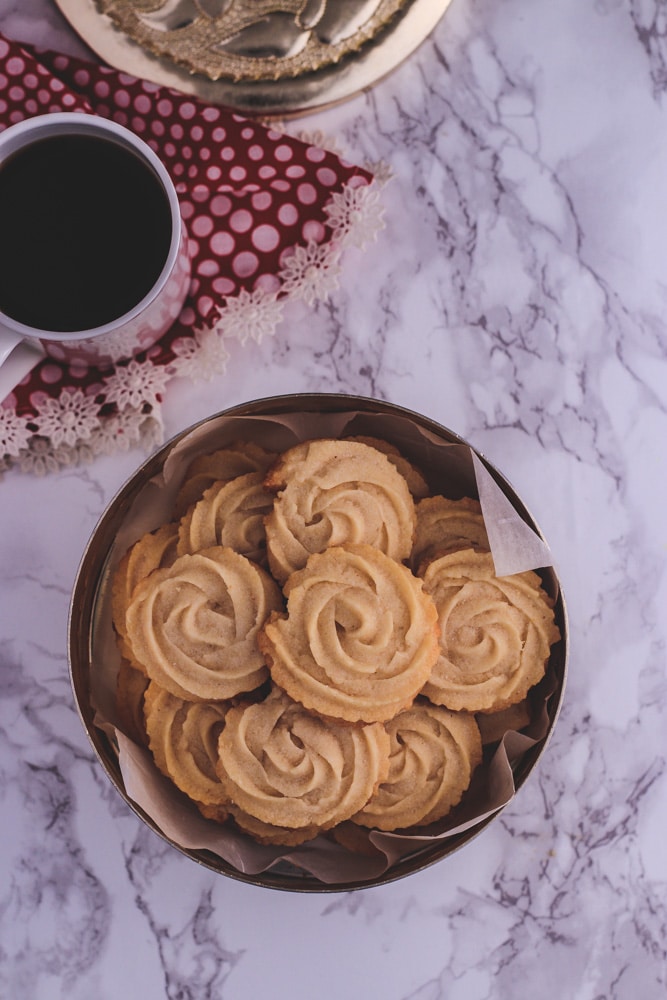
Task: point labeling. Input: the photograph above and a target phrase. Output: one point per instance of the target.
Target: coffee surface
(85, 229)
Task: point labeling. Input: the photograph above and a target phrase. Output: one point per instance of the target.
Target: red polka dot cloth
(268, 216)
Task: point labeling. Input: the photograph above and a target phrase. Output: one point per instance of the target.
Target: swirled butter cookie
(434, 753)
(413, 477)
(333, 492)
(236, 459)
(131, 686)
(496, 632)
(194, 625)
(446, 525)
(229, 513)
(360, 636)
(267, 833)
(183, 738)
(291, 769)
(152, 551)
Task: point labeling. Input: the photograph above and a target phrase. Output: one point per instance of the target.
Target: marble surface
(517, 295)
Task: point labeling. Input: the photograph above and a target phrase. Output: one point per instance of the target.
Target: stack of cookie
(310, 642)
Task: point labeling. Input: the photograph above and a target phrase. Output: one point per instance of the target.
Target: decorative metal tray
(265, 57)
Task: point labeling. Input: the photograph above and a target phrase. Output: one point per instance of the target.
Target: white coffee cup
(137, 327)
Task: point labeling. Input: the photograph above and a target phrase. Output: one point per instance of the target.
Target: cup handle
(17, 358)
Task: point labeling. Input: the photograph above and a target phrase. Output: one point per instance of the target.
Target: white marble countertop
(518, 296)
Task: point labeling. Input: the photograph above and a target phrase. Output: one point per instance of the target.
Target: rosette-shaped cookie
(131, 686)
(229, 513)
(194, 625)
(291, 769)
(331, 493)
(183, 738)
(433, 755)
(413, 477)
(236, 459)
(267, 833)
(152, 551)
(360, 636)
(446, 525)
(496, 633)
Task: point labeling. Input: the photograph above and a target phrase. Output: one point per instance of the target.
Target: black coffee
(85, 229)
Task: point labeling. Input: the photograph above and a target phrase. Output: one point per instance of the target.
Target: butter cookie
(333, 492)
(229, 513)
(416, 482)
(236, 459)
(152, 551)
(291, 769)
(445, 525)
(495, 633)
(131, 686)
(360, 636)
(194, 626)
(433, 755)
(183, 738)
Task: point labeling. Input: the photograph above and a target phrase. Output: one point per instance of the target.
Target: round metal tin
(85, 611)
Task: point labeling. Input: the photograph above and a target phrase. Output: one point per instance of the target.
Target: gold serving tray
(271, 58)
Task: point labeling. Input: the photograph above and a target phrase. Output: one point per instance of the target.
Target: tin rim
(84, 608)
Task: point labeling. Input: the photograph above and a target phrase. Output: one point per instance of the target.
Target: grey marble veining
(517, 295)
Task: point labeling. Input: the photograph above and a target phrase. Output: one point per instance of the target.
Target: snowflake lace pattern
(14, 432)
(70, 418)
(311, 272)
(355, 216)
(201, 356)
(119, 432)
(114, 346)
(136, 384)
(71, 429)
(251, 315)
(40, 457)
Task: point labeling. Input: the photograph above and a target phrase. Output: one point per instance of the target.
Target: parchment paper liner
(453, 469)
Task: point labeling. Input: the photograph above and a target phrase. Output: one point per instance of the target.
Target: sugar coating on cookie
(194, 625)
(154, 550)
(360, 636)
(236, 459)
(183, 738)
(331, 493)
(269, 833)
(416, 481)
(445, 525)
(289, 768)
(433, 755)
(495, 632)
(131, 686)
(229, 513)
